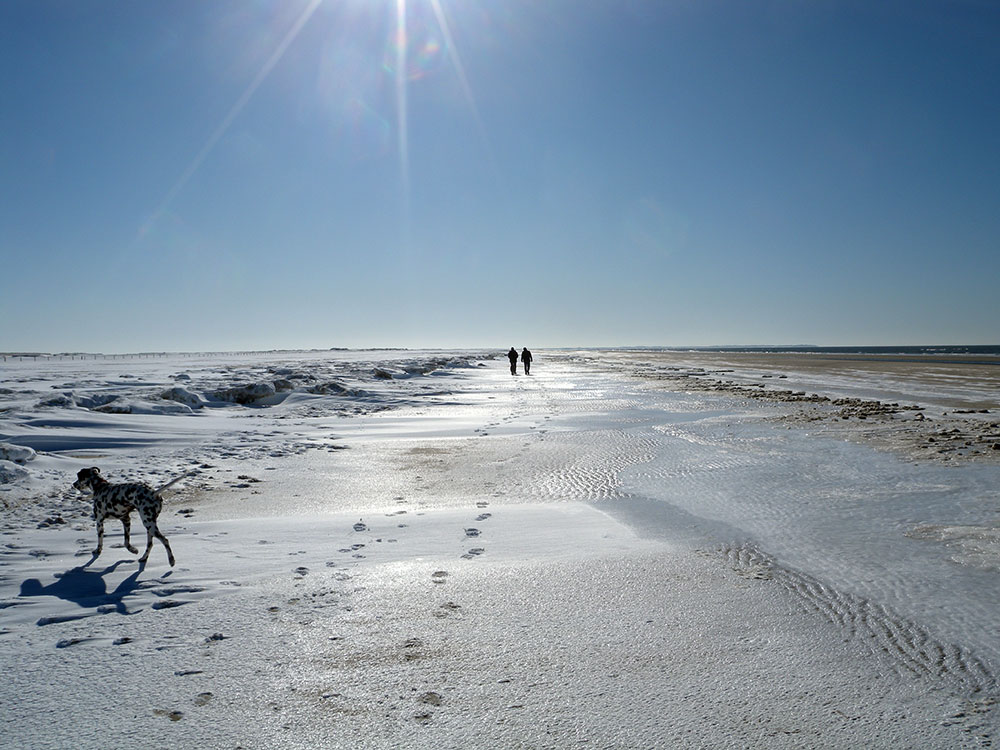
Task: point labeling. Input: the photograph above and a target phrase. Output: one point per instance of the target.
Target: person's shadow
(85, 588)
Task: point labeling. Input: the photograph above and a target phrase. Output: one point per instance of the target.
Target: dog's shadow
(86, 588)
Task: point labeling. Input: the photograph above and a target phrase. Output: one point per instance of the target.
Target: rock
(183, 396)
(325, 389)
(245, 394)
(96, 401)
(64, 400)
(114, 408)
(18, 454)
(10, 472)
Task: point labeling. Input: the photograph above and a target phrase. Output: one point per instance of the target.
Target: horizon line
(607, 347)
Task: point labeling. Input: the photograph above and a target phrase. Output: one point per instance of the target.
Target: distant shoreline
(960, 349)
(922, 351)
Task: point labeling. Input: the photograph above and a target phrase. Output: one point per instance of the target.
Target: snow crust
(453, 557)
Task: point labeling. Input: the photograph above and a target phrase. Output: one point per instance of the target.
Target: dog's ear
(95, 470)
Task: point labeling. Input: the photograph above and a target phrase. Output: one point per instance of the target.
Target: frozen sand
(492, 604)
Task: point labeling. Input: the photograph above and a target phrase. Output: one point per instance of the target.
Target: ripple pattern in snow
(903, 644)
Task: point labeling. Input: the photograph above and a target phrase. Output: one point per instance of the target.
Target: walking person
(512, 356)
(526, 359)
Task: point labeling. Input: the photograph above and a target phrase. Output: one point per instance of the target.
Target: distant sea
(990, 349)
(967, 354)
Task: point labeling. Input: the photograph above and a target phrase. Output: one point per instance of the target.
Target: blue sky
(191, 175)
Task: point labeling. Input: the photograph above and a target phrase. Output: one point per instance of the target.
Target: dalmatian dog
(118, 501)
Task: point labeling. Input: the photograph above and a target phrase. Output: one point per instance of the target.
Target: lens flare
(417, 49)
(234, 111)
(402, 117)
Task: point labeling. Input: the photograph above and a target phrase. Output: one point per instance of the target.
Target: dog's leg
(149, 544)
(100, 536)
(170, 552)
(126, 526)
(151, 531)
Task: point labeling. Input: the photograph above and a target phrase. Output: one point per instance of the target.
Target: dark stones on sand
(971, 439)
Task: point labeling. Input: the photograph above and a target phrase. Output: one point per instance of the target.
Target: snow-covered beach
(415, 549)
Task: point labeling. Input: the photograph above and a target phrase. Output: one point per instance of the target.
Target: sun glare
(233, 113)
(416, 43)
(402, 127)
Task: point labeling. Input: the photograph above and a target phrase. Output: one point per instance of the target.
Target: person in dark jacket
(526, 359)
(512, 356)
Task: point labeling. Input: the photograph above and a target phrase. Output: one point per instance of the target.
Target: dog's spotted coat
(118, 501)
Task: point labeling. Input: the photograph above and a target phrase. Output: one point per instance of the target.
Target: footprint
(474, 552)
(203, 699)
(301, 571)
(438, 576)
(360, 526)
(472, 532)
(67, 642)
(172, 715)
(483, 516)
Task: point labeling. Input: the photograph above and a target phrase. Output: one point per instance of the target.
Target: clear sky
(189, 175)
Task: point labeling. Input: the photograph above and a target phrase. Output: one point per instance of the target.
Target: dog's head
(87, 478)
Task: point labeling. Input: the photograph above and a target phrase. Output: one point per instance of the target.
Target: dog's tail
(171, 483)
